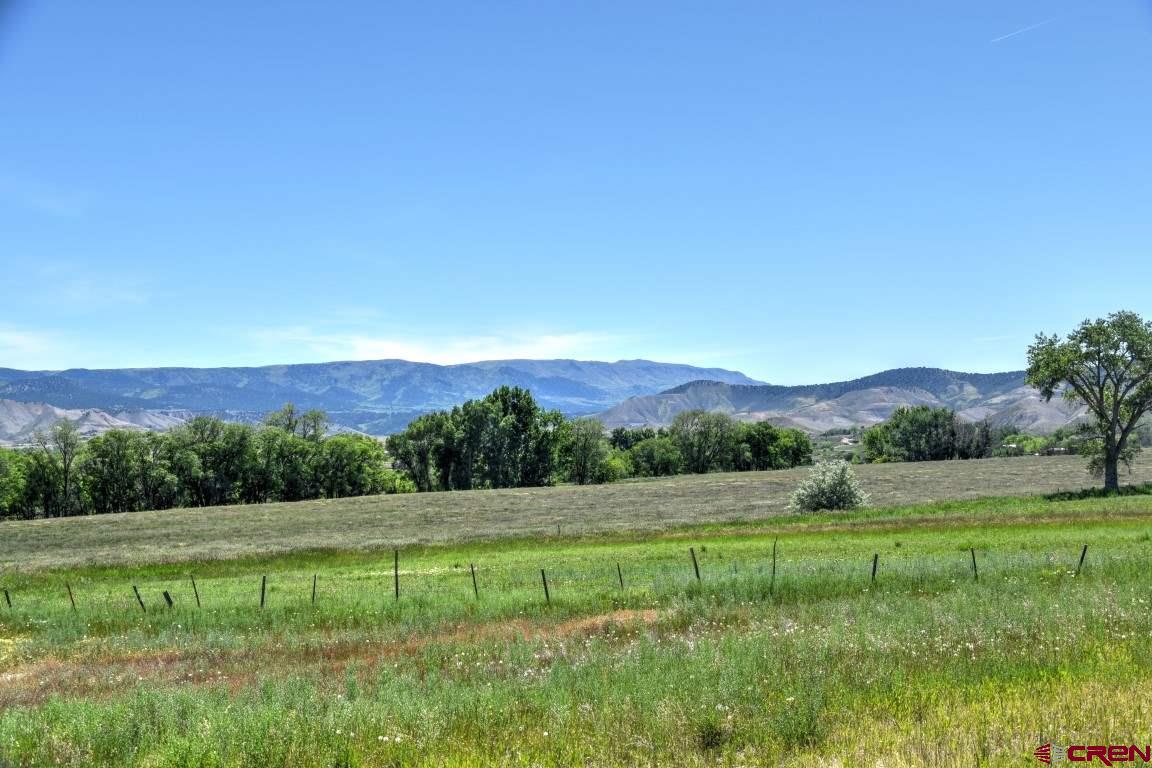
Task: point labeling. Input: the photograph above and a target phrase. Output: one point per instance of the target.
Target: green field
(817, 665)
(384, 522)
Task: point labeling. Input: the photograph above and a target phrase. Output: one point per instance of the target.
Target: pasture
(384, 522)
(932, 663)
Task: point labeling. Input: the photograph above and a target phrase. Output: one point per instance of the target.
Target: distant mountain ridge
(374, 396)
(1001, 398)
(20, 421)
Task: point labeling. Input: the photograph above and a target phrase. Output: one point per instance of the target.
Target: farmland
(383, 522)
(630, 659)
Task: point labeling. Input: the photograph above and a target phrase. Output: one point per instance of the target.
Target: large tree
(584, 448)
(705, 439)
(57, 452)
(1107, 365)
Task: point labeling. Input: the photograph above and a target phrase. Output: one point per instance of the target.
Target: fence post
(772, 584)
(544, 578)
(1080, 565)
(7, 598)
(139, 599)
(695, 565)
(620, 575)
(263, 585)
(314, 589)
(195, 591)
(875, 562)
(396, 572)
(168, 599)
(475, 587)
(70, 598)
(975, 572)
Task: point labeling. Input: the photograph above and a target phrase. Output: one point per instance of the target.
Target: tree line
(506, 440)
(205, 462)
(924, 433)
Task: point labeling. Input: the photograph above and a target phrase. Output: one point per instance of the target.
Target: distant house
(849, 441)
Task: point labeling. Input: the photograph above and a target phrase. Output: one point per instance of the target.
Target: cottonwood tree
(57, 452)
(705, 439)
(585, 448)
(1107, 365)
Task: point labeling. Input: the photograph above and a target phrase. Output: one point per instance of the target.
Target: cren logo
(1106, 754)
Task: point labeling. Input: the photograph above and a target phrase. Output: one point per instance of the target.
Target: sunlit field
(631, 658)
(385, 522)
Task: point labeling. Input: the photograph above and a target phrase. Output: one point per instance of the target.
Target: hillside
(1002, 398)
(19, 421)
(375, 396)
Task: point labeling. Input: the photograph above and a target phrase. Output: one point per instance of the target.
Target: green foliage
(615, 465)
(761, 446)
(656, 457)
(583, 449)
(504, 440)
(205, 462)
(1063, 440)
(831, 485)
(623, 439)
(1106, 364)
(13, 482)
(705, 439)
(923, 433)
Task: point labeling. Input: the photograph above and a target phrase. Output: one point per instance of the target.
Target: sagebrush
(831, 485)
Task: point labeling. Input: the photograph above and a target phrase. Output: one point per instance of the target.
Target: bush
(830, 485)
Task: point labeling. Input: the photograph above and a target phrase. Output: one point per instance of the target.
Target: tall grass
(819, 665)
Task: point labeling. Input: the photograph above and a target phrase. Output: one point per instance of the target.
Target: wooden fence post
(620, 575)
(396, 572)
(263, 586)
(975, 572)
(139, 599)
(772, 584)
(168, 599)
(7, 598)
(695, 565)
(544, 578)
(475, 587)
(195, 591)
(314, 589)
(1080, 565)
(70, 598)
(875, 562)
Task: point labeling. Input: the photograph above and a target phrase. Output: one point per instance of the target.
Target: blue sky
(801, 190)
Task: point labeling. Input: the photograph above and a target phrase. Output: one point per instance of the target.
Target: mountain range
(380, 397)
(375, 396)
(1004, 399)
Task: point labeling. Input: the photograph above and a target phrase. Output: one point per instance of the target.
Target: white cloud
(441, 350)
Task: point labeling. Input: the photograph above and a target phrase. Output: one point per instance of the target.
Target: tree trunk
(1111, 472)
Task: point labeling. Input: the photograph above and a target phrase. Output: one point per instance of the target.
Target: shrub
(830, 485)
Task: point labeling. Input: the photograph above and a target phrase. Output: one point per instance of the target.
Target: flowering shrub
(830, 485)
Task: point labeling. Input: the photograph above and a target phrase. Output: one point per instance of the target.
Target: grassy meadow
(384, 522)
(815, 664)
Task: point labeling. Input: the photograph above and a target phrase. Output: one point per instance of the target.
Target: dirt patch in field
(31, 684)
